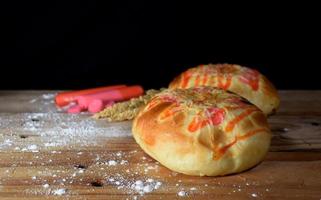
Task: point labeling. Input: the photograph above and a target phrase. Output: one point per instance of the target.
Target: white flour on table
(56, 129)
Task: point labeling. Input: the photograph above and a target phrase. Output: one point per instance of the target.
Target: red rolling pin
(119, 94)
(64, 98)
(98, 105)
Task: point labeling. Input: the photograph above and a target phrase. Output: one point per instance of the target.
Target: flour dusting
(58, 129)
(41, 139)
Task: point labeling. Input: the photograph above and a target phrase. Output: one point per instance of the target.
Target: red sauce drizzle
(197, 80)
(167, 113)
(166, 98)
(205, 77)
(170, 111)
(195, 124)
(216, 116)
(221, 84)
(250, 133)
(224, 79)
(231, 124)
(185, 79)
(219, 152)
(201, 66)
(251, 78)
(152, 104)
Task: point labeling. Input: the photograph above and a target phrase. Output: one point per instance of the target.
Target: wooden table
(45, 153)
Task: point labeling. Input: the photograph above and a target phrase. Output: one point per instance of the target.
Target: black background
(81, 44)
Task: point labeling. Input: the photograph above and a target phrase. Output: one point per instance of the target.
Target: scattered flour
(48, 96)
(57, 129)
(182, 193)
(32, 147)
(59, 192)
(254, 195)
(135, 186)
(112, 163)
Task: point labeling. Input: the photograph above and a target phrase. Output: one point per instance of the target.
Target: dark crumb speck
(79, 166)
(96, 184)
(315, 123)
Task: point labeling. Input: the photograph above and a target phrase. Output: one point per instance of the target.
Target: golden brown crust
(243, 81)
(202, 131)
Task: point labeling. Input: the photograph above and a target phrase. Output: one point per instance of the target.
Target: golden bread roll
(243, 81)
(202, 131)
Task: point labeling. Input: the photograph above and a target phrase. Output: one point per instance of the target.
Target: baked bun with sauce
(246, 82)
(202, 131)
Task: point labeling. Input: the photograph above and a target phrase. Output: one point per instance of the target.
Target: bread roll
(202, 131)
(243, 81)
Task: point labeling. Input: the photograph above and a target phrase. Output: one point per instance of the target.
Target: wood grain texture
(88, 165)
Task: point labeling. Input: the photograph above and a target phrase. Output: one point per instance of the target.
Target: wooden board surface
(47, 154)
